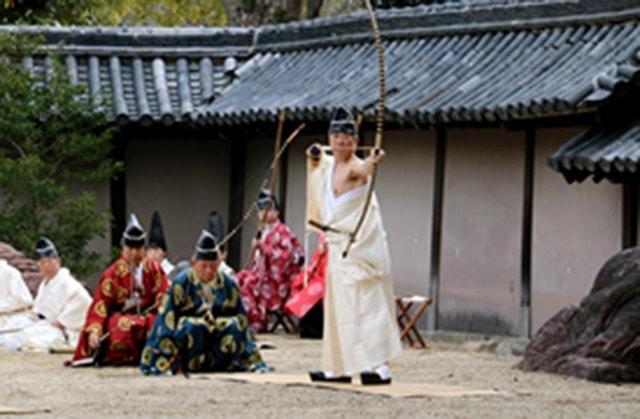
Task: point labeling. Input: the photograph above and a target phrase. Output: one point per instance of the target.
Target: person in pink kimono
(276, 259)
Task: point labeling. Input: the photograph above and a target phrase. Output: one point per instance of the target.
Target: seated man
(157, 245)
(216, 227)
(124, 305)
(60, 307)
(15, 299)
(276, 259)
(202, 324)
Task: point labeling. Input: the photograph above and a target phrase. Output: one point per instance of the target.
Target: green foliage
(52, 144)
(405, 3)
(115, 12)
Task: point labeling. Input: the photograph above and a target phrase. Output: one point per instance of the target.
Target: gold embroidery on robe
(162, 364)
(228, 344)
(223, 322)
(189, 304)
(178, 294)
(107, 287)
(170, 320)
(167, 346)
(190, 341)
(100, 309)
(146, 355)
(95, 328)
(162, 307)
(122, 268)
(242, 321)
(233, 299)
(121, 294)
(125, 323)
(196, 362)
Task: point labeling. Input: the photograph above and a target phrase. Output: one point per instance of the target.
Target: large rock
(26, 266)
(600, 339)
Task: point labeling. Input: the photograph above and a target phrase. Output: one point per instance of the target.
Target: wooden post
(282, 184)
(118, 190)
(436, 226)
(527, 227)
(629, 214)
(236, 196)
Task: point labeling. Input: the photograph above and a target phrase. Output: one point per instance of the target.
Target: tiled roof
(457, 62)
(601, 152)
(145, 74)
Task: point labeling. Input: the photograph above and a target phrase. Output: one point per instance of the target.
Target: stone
(481, 345)
(598, 340)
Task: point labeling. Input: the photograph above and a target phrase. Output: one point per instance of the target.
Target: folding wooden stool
(284, 319)
(407, 318)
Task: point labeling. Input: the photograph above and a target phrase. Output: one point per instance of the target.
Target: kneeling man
(124, 306)
(202, 324)
(60, 306)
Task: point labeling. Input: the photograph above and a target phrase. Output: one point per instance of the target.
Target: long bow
(379, 122)
(272, 183)
(267, 180)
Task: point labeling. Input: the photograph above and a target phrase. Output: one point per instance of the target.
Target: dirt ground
(39, 381)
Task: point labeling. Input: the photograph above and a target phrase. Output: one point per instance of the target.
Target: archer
(360, 333)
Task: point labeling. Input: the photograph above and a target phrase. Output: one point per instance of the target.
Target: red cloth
(266, 284)
(304, 298)
(127, 332)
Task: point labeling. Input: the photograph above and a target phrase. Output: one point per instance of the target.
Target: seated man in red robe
(124, 306)
(276, 259)
(307, 292)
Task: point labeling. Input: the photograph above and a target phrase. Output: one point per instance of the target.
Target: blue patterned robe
(201, 327)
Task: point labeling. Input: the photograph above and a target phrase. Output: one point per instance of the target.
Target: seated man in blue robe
(202, 324)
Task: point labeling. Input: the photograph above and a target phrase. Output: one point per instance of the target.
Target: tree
(52, 144)
(383, 4)
(260, 12)
(115, 12)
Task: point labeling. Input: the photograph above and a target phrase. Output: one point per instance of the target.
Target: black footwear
(372, 378)
(320, 376)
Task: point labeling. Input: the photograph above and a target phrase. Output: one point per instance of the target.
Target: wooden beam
(527, 228)
(436, 226)
(282, 184)
(629, 215)
(236, 197)
(118, 190)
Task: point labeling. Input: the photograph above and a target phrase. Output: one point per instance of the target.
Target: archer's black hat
(46, 249)
(343, 121)
(133, 235)
(156, 233)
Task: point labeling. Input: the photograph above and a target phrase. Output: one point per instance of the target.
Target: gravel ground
(39, 381)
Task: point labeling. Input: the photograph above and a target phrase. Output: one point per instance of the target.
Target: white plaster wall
(481, 231)
(183, 178)
(576, 228)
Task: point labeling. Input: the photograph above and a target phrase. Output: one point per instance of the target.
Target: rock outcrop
(598, 340)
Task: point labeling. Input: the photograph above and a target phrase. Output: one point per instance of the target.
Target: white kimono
(62, 299)
(360, 329)
(15, 299)
(167, 266)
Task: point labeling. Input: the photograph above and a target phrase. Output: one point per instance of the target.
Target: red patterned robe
(127, 331)
(266, 284)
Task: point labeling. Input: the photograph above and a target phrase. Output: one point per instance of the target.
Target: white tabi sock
(384, 371)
